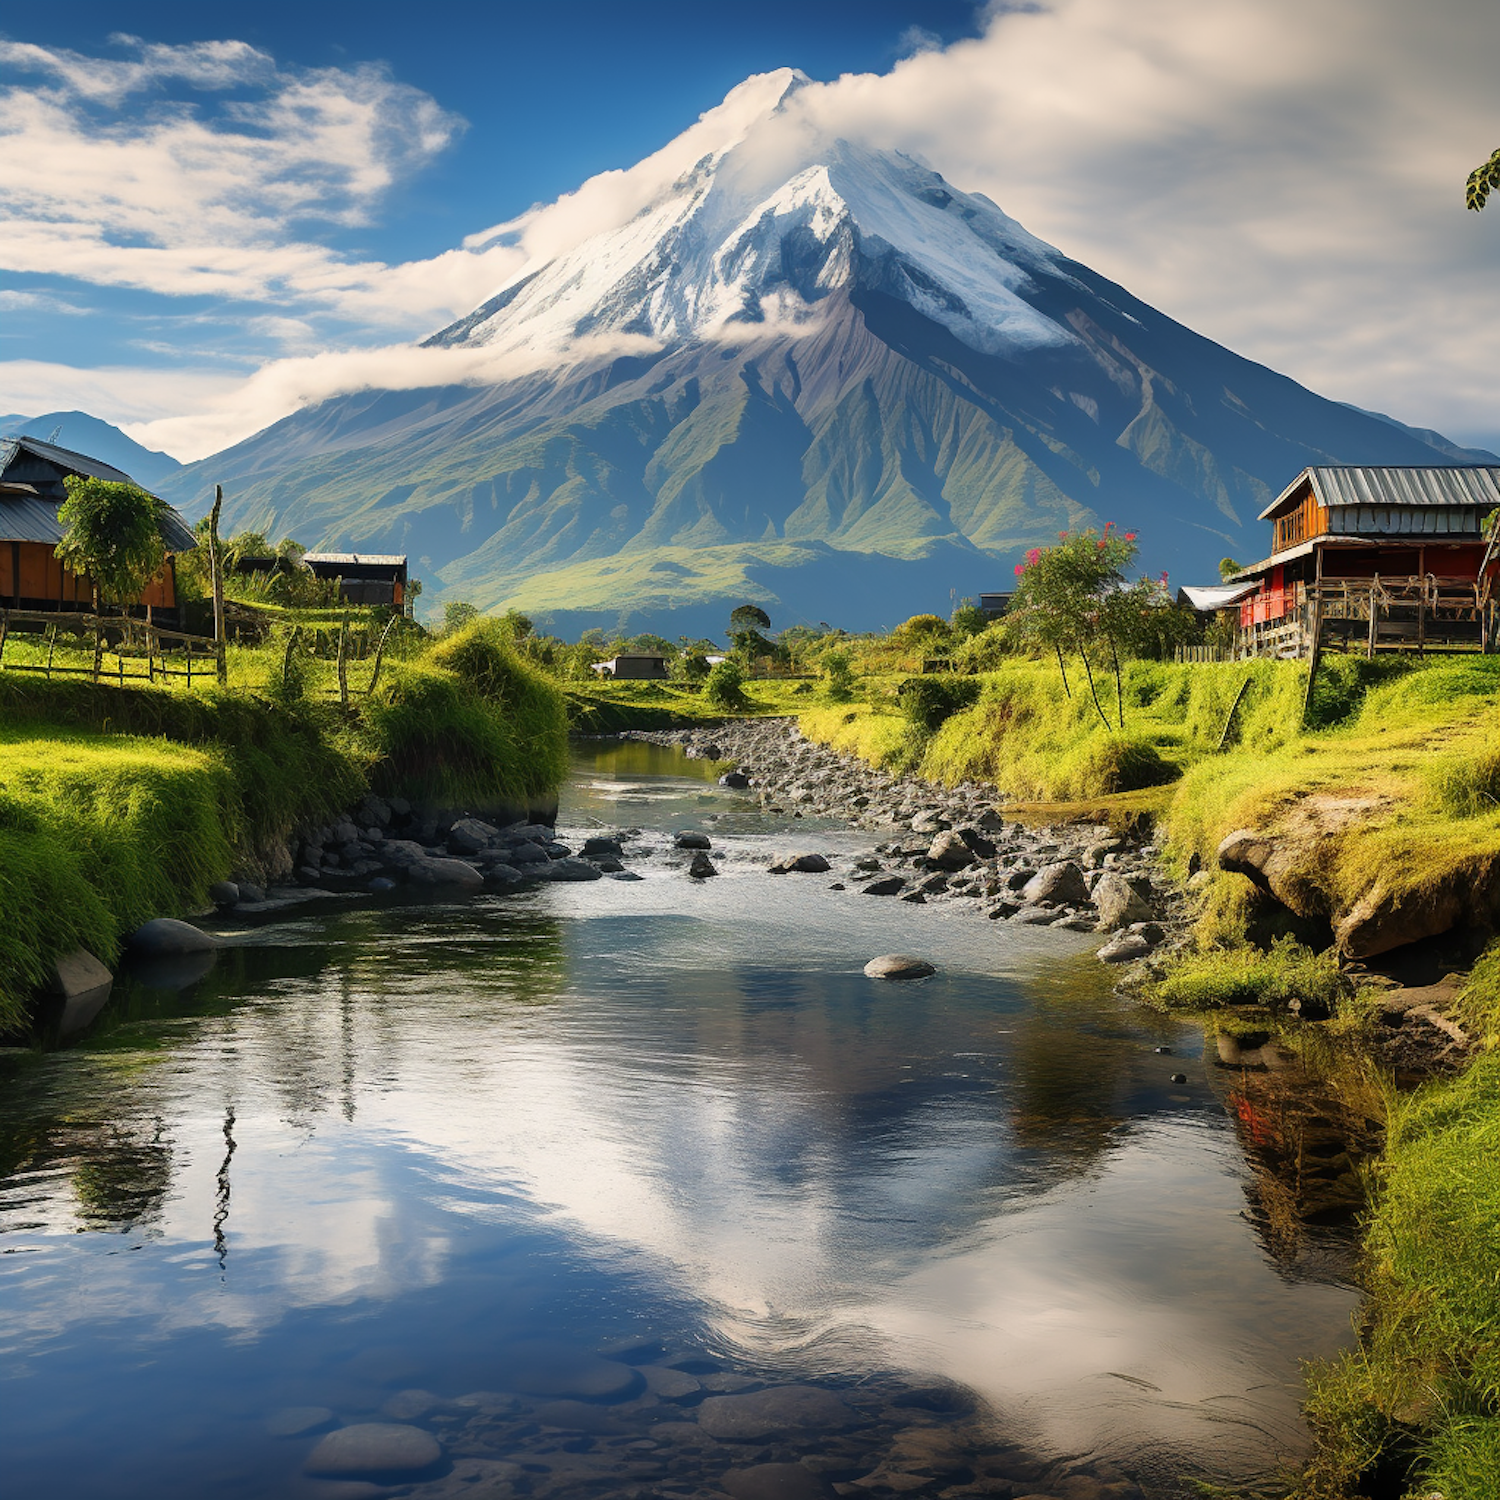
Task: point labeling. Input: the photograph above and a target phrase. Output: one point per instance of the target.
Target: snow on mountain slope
(751, 238)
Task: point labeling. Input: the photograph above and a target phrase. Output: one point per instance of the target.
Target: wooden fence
(164, 653)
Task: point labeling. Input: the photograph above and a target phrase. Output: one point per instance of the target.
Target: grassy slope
(118, 804)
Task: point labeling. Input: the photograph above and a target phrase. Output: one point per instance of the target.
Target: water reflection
(383, 1148)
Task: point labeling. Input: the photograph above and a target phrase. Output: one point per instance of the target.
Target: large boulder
(735, 780)
(601, 846)
(1118, 902)
(776, 1482)
(469, 836)
(691, 840)
(525, 854)
(444, 872)
(976, 841)
(166, 936)
(1061, 884)
(886, 885)
(948, 851)
(565, 869)
(702, 866)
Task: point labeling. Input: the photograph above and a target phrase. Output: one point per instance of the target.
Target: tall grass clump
(1418, 1404)
(469, 722)
(1248, 976)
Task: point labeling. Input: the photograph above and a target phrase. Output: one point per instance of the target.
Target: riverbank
(122, 804)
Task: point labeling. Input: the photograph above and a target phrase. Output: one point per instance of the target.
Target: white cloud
(176, 200)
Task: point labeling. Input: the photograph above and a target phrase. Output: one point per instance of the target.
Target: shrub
(724, 686)
(838, 675)
(929, 702)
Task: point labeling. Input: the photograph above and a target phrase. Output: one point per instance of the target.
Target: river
(375, 1162)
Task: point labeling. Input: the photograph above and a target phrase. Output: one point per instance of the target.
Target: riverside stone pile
(947, 843)
(383, 844)
(648, 1424)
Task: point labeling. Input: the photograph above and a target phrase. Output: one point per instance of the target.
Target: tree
(1228, 567)
(968, 619)
(112, 533)
(1074, 597)
(1483, 180)
(745, 626)
(458, 614)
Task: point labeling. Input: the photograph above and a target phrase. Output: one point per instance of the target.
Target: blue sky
(201, 205)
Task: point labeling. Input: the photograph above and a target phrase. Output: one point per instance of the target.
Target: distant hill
(822, 379)
(85, 434)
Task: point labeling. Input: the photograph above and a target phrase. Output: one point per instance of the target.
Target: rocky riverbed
(948, 843)
(647, 1424)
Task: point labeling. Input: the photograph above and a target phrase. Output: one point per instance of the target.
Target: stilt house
(31, 492)
(1373, 559)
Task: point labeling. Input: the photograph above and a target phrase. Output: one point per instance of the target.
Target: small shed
(31, 492)
(994, 606)
(635, 667)
(363, 577)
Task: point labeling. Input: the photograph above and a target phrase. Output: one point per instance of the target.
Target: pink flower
(1062, 535)
(1020, 568)
(1130, 536)
(1033, 557)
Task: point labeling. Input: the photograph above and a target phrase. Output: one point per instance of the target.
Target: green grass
(1246, 975)
(120, 804)
(1419, 1401)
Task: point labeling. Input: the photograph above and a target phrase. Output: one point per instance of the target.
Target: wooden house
(636, 666)
(1373, 559)
(364, 577)
(31, 492)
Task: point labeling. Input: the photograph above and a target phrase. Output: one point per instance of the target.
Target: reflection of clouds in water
(1068, 1311)
(720, 1103)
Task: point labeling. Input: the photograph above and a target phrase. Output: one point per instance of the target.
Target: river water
(403, 1148)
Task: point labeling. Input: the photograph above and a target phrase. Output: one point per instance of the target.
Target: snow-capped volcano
(722, 253)
(768, 365)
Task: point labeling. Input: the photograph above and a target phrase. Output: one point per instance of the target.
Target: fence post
(379, 653)
(189, 644)
(4, 630)
(51, 647)
(342, 672)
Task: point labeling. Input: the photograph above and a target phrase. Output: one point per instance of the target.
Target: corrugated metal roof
(1439, 485)
(29, 519)
(351, 559)
(1214, 596)
(66, 458)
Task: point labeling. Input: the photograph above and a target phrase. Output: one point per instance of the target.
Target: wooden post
(150, 655)
(1421, 601)
(216, 572)
(341, 666)
(379, 653)
(51, 647)
(1312, 664)
(286, 658)
(4, 630)
(1374, 617)
(189, 644)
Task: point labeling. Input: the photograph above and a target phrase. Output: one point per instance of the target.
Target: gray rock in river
(776, 1482)
(525, 854)
(295, 1421)
(736, 780)
(1118, 902)
(780, 1409)
(702, 867)
(444, 872)
(469, 836)
(898, 966)
(948, 851)
(808, 864)
(577, 1416)
(223, 893)
(1061, 884)
(1123, 948)
(601, 846)
(564, 870)
(546, 1369)
(163, 936)
(374, 1448)
(887, 885)
(692, 841)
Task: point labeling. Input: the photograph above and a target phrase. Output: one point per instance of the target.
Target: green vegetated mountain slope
(945, 392)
